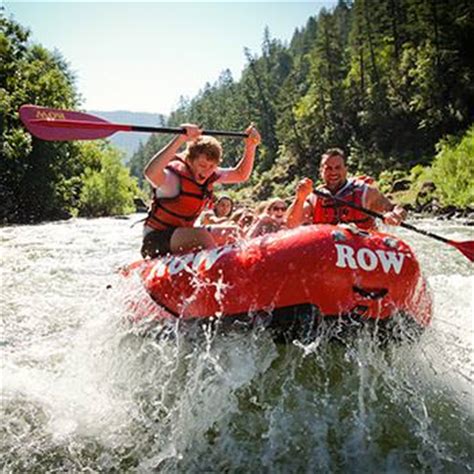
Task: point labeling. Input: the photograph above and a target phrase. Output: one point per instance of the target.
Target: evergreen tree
(383, 79)
(38, 179)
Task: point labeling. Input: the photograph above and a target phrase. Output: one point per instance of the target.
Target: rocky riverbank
(423, 201)
(466, 216)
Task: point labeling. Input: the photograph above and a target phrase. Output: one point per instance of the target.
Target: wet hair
(334, 152)
(208, 146)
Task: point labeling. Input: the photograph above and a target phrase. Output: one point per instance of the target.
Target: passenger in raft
(219, 214)
(243, 217)
(307, 207)
(182, 186)
(271, 220)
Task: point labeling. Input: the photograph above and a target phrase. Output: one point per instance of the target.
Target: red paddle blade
(62, 125)
(467, 248)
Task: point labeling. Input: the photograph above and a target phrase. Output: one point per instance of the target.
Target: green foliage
(453, 170)
(387, 178)
(42, 180)
(383, 80)
(36, 177)
(107, 187)
(420, 174)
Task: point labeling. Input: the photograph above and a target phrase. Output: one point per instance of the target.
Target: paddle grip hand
(395, 217)
(253, 137)
(304, 188)
(190, 131)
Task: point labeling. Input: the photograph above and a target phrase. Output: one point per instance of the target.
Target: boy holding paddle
(182, 187)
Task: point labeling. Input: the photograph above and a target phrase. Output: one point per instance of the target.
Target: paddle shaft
(118, 127)
(380, 216)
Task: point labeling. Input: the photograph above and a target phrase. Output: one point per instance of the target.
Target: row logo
(369, 260)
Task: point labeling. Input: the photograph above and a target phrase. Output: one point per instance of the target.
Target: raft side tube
(335, 269)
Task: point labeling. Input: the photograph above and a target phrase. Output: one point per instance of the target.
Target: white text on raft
(368, 259)
(193, 262)
(347, 257)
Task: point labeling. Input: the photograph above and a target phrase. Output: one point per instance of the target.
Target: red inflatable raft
(327, 272)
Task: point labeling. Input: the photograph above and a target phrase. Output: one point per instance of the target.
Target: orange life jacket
(183, 209)
(329, 211)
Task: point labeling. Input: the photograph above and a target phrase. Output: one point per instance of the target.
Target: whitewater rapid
(82, 391)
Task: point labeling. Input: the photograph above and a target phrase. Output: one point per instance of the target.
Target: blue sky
(143, 56)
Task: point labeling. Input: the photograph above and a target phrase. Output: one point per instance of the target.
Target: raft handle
(375, 294)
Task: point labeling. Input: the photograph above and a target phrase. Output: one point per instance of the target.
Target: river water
(82, 392)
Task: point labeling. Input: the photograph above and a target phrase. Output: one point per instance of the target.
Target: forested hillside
(385, 80)
(42, 180)
(389, 81)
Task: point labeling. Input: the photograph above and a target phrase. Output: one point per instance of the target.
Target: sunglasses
(278, 208)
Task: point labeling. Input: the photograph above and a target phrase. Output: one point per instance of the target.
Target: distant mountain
(129, 142)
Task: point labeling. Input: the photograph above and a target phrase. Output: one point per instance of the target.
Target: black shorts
(157, 243)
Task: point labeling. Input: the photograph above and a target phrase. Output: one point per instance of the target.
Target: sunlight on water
(83, 389)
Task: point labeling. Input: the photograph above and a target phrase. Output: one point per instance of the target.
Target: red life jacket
(329, 211)
(183, 209)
